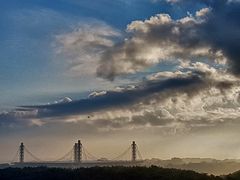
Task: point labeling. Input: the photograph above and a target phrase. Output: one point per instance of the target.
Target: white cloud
(95, 94)
(169, 1)
(63, 100)
(203, 12)
(233, 1)
(83, 47)
(158, 39)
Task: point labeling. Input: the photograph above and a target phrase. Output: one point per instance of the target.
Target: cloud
(63, 100)
(114, 99)
(211, 34)
(158, 39)
(17, 118)
(233, 1)
(169, 1)
(196, 95)
(83, 47)
(184, 1)
(107, 104)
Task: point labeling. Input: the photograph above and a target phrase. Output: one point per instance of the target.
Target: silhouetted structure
(79, 156)
(21, 153)
(78, 152)
(134, 151)
(75, 152)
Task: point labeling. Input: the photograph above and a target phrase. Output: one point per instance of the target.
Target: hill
(233, 176)
(200, 165)
(103, 173)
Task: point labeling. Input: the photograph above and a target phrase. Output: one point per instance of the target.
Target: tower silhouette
(134, 151)
(78, 152)
(21, 153)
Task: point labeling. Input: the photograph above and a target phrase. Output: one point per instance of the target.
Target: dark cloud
(6, 120)
(223, 29)
(12, 119)
(114, 99)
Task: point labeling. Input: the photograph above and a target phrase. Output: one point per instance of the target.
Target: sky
(162, 72)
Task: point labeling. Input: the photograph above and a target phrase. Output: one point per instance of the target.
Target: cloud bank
(194, 96)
